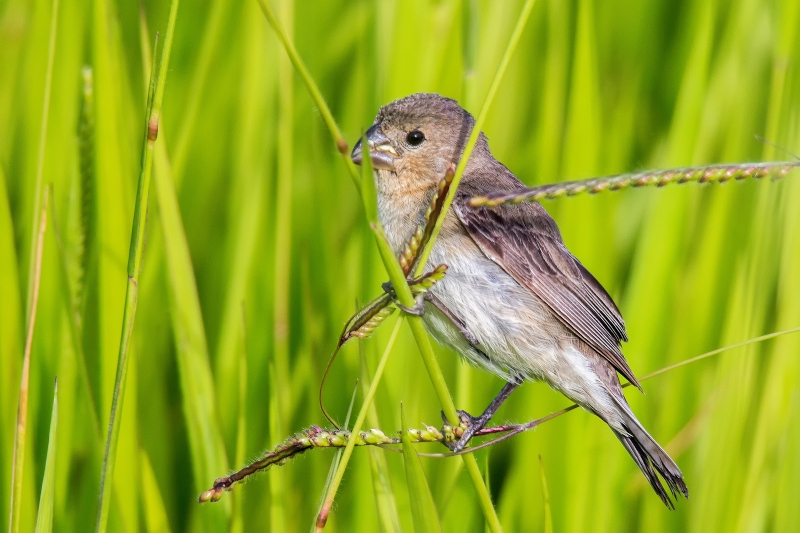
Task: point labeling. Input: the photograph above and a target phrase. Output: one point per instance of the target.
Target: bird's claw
(469, 425)
(418, 309)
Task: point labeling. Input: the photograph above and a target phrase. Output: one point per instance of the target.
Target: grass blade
(48, 84)
(155, 514)
(277, 514)
(21, 427)
(336, 458)
(316, 95)
(10, 326)
(34, 278)
(237, 523)
(548, 515)
(44, 518)
(384, 495)
(158, 79)
(194, 368)
(423, 508)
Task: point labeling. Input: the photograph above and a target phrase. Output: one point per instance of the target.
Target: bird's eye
(415, 138)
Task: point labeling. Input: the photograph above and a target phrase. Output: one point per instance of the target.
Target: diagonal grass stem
(476, 129)
(322, 518)
(311, 86)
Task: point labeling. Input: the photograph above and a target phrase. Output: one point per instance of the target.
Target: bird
(514, 301)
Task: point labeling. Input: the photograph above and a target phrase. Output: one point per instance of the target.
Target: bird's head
(414, 139)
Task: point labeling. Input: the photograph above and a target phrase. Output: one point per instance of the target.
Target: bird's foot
(418, 309)
(388, 288)
(468, 426)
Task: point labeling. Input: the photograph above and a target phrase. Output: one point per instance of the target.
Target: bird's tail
(651, 458)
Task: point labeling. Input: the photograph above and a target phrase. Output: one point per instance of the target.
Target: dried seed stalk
(316, 437)
(657, 178)
(410, 255)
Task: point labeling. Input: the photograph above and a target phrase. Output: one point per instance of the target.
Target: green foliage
(254, 215)
(44, 516)
(423, 508)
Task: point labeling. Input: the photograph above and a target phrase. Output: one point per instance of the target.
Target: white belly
(513, 327)
(517, 334)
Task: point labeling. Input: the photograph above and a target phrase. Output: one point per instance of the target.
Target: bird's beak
(380, 149)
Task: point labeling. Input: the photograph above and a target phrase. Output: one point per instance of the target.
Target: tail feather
(651, 458)
(650, 464)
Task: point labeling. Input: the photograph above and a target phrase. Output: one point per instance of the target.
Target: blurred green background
(257, 253)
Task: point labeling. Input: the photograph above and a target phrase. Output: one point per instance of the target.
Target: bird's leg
(474, 424)
(418, 309)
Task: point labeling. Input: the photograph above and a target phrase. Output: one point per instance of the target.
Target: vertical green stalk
(158, 78)
(548, 515)
(384, 495)
(283, 214)
(37, 188)
(283, 263)
(208, 43)
(18, 460)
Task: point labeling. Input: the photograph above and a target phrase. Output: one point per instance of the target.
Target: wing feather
(525, 242)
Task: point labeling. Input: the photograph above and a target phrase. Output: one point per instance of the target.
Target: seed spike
(659, 178)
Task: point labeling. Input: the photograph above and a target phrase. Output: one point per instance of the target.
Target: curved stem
(322, 518)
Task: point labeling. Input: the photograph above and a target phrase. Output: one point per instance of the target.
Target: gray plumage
(530, 309)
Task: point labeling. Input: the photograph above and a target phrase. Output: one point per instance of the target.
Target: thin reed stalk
(158, 79)
(21, 428)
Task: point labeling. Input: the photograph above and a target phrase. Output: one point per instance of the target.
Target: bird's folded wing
(525, 242)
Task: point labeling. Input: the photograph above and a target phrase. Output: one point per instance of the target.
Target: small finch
(515, 301)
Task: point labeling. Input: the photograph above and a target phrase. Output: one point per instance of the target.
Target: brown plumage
(514, 301)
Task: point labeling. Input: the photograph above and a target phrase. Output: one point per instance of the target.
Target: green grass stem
(158, 79)
(21, 427)
(311, 86)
